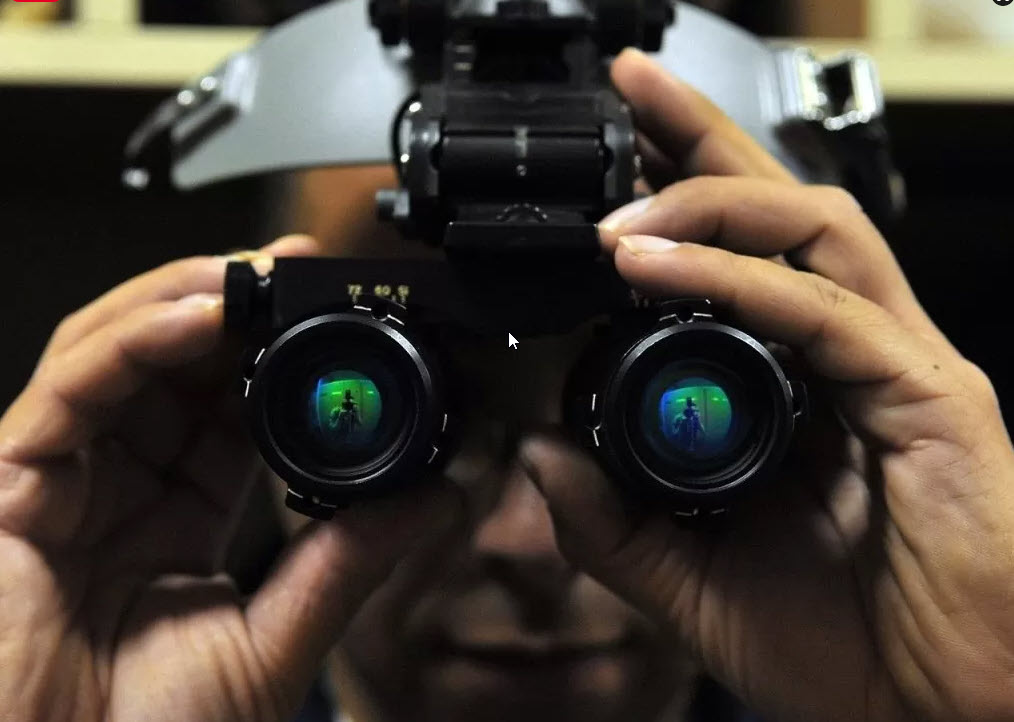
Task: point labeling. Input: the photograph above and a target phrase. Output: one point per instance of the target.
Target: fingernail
(289, 238)
(284, 244)
(642, 245)
(262, 262)
(205, 301)
(625, 214)
(633, 51)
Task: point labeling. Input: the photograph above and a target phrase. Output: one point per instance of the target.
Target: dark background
(68, 231)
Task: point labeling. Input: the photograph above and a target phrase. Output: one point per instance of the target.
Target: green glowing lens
(346, 408)
(695, 416)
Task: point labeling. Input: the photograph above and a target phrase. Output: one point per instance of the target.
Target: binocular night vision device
(509, 144)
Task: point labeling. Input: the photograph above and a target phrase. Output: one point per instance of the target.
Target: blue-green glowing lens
(695, 415)
(345, 409)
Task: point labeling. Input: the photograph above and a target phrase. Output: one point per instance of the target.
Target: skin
(874, 581)
(870, 582)
(123, 466)
(502, 622)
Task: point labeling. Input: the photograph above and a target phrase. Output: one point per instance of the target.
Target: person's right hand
(122, 466)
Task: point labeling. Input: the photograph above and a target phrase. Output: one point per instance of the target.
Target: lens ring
(735, 362)
(345, 405)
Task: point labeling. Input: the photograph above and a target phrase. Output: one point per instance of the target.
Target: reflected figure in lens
(688, 427)
(691, 417)
(345, 411)
(345, 418)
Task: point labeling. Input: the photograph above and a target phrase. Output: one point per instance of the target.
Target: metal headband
(321, 90)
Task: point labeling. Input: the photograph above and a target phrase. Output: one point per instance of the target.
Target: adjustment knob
(241, 283)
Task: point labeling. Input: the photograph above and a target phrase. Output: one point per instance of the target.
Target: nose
(515, 546)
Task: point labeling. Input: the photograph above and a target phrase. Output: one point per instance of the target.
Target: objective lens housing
(692, 413)
(346, 405)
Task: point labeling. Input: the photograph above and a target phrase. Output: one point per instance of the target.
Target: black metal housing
(604, 387)
(317, 486)
(512, 146)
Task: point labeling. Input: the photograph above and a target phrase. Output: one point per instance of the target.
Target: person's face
(502, 627)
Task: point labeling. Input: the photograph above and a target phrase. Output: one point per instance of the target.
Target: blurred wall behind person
(768, 17)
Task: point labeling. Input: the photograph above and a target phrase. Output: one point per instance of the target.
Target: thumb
(331, 568)
(294, 244)
(641, 554)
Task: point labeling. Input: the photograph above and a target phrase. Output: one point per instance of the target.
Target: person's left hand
(872, 580)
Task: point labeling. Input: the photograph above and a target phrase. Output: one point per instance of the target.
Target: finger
(170, 517)
(222, 460)
(158, 422)
(109, 496)
(201, 432)
(329, 571)
(179, 533)
(717, 589)
(688, 127)
(212, 469)
(169, 282)
(639, 554)
(884, 373)
(76, 394)
(820, 228)
(185, 528)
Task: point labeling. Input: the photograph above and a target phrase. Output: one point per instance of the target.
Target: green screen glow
(695, 415)
(346, 407)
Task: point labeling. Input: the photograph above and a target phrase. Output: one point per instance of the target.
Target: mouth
(531, 651)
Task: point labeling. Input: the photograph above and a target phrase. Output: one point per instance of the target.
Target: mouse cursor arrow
(512, 342)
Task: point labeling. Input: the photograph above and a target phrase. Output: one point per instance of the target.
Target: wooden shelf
(162, 56)
(154, 56)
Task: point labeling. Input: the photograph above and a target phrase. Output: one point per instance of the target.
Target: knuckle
(845, 212)
(837, 202)
(830, 294)
(694, 188)
(177, 277)
(183, 267)
(732, 271)
(68, 327)
(861, 279)
(20, 495)
(980, 383)
(45, 501)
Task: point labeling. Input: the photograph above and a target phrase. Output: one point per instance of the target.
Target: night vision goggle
(510, 144)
